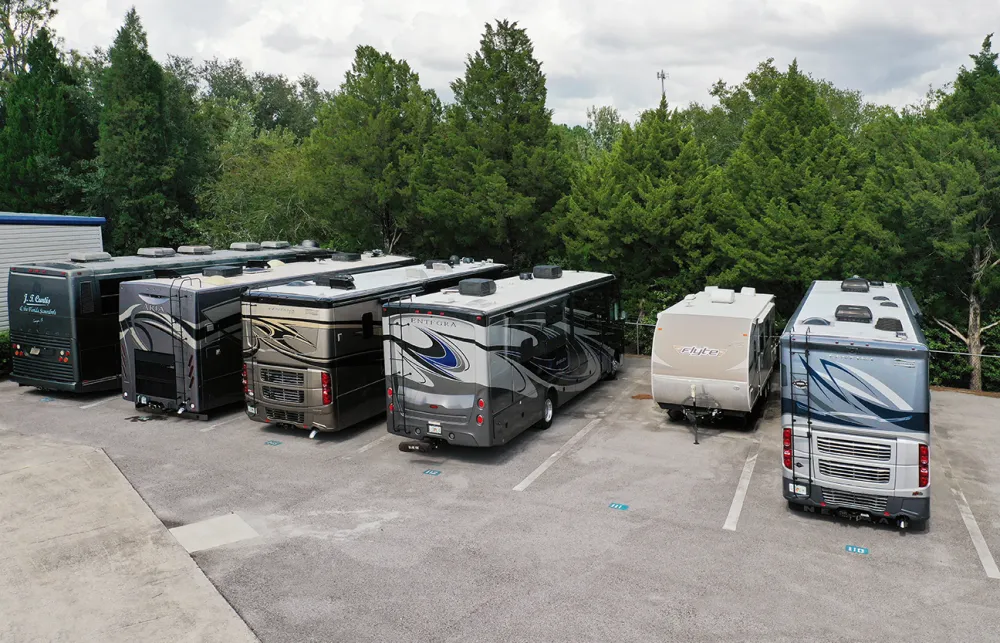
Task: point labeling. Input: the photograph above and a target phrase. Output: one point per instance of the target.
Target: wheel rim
(548, 409)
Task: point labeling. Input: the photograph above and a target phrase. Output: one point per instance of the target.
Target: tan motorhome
(713, 353)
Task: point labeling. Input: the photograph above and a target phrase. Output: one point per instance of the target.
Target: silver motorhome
(477, 366)
(182, 339)
(312, 349)
(713, 353)
(855, 403)
(64, 314)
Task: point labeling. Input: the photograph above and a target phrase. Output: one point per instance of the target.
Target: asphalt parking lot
(611, 525)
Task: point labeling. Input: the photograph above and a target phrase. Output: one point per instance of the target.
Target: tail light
(479, 420)
(391, 407)
(327, 394)
(246, 382)
(482, 403)
(925, 461)
(389, 392)
(787, 444)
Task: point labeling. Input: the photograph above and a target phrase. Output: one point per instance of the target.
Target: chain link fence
(639, 337)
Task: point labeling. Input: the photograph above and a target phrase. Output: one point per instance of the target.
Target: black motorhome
(64, 314)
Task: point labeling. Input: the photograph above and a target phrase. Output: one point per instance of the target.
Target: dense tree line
(784, 179)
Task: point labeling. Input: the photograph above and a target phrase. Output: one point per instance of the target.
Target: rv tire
(548, 410)
(675, 415)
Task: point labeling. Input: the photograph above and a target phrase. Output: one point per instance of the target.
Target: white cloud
(593, 51)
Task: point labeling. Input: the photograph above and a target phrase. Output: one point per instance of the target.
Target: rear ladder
(800, 387)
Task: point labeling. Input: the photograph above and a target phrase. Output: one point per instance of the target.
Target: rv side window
(367, 326)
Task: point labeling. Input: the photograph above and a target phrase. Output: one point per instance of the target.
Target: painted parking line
(736, 508)
(235, 417)
(100, 402)
(982, 549)
(582, 433)
(374, 443)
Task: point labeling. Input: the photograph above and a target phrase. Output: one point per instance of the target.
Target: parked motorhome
(64, 314)
(182, 339)
(313, 349)
(855, 403)
(478, 366)
(713, 353)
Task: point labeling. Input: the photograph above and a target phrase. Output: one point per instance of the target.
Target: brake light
(479, 420)
(391, 407)
(925, 461)
(482, 403)
(787, 445)
(389, 392)
(246, 382)
(327, 394)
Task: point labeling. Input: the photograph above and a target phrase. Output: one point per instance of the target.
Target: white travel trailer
(713, 353)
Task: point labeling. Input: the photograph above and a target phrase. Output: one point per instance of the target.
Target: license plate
(798, 489)
(35, 351)
(251, 410)
(434, 428)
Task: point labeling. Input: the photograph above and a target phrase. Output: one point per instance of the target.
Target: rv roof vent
(711, 288)
(195, 250)
(156, 252)
(454, 259)
(223, 271)
(298, 283)
(345, 256)
(377, 253)
(441, 266)
(547, 272)
(244, 246)
(341, 282)
(477, 287)
(87, 257)
(854, 284)
(468, 260)
(889, 323)
(748, 291)
(309, 243)
(816, 321)
(430, 262)
(881, 298)
(525, 276)
(275, 245)
(860, 314)
(723, 296)
(414, 273)
(889, 304)
(876, 283)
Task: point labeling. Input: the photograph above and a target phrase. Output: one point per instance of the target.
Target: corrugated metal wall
(20, 243)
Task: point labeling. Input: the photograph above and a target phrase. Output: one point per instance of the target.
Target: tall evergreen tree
(367, 138)
(47, 139)
(20, 22)
(495, 170)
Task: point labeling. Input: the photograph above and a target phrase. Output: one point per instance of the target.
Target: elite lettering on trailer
(699, 351)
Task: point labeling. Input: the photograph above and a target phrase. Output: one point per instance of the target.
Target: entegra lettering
(699, 351)
(430, 321)
(37, 300)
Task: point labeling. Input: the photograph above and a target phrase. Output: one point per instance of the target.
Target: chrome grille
(287, 378)
(280, 415)
(854, 449)
(290, 395)
(860, 472)
(854, 500)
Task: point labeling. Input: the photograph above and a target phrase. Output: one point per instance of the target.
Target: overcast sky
(593, 51)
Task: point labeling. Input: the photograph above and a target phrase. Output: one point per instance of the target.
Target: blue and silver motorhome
(855, 403)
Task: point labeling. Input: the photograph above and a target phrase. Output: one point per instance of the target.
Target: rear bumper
(321, 418)
(452, 433)
(109, 384)
(895, 507)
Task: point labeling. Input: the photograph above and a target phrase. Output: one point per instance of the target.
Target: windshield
(39, 304)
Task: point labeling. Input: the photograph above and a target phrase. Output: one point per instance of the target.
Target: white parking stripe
(375, 442)
(521, 486)
(99, 402)
(982, 549)
(223, 423)
(741, 489)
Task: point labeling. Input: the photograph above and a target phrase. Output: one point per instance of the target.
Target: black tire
(675, 415)
(548, 411)
(615, 366)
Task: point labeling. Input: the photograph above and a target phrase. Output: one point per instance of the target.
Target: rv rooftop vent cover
(816, 321)
(341, 282)
(223, 271)
(889, 304)
(156, 252)
(722, 296)
(890, 324)
(309, 243)
(345, 256)
(415, 273)
(195, 250)
(275, 245)
(477, 287)
(881, 298)
(376, 253)
(876, 283)
(854, 284)
(244, 246)
(430, 262)
(299, 283)
(860, 314)
(547, 272)
(86, 257)
(441, 266)
(468, 260)
(525, 276)
(748, 291)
